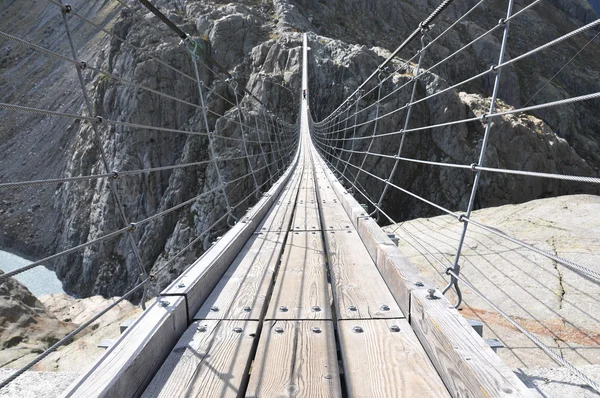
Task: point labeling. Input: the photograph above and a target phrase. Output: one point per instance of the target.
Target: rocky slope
(252, 40)
(26, 326)
(551, 300)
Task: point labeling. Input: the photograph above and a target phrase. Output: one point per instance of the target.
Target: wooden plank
(202, 276)
(372, 236)
(242, 291)
(358, 289)
(301, 289)
(400, 275)
(127, 367)
(307, 195)
(279, 216)
(335, 217)
(383, 358)
(325, 192)
(306, 218)
(211, 359)
(295, 360)
(466, 364)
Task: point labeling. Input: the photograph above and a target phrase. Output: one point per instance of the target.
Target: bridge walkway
(301, 301)
(304, 297)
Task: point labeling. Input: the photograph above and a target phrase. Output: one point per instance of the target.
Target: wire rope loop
(453, 284)
(231, 217)
(191, 46)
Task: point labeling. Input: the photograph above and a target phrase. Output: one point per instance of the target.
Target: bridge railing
(250, 149)
(376, 125)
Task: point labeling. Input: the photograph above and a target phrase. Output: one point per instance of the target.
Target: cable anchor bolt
(431, 295)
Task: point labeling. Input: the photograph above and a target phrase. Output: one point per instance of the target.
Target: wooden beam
(128, 366)
(466, 364)
(359, 290)
(242, 291)
(201, 277)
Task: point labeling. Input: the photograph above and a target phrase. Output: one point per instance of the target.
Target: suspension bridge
(304, 294)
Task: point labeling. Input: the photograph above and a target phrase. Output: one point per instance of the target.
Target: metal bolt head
(278, 329)
(384, 307)
(351, 308)
(202, 329)
(238, 330)
(419, 284)
(316, 308)
(283, 308)
(395, 328)
(316, 329)
(431, 295)
(214, 308)
(181, 285)
(163, 304)
(357, 329)
(247, 309)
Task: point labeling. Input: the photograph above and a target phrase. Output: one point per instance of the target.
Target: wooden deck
(306, 298)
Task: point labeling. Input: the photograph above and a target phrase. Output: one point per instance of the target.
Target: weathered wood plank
(307, 196)
(211, 359)
(201, 277)
(127, 366)
(241, 293)
(306, 218)
(358, 289)
(295, 359)
(301, 289)
(335, 217)
(466, 364)
(372, 236)
(400, 275)
(383, 358)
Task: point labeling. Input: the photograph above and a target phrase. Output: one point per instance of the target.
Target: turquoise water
(39, 280)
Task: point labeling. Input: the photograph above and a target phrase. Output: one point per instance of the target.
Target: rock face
(556, 303)
(259, 43)
(25, 324)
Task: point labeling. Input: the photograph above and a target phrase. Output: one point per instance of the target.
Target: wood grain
(211, 359)
(306, 218)
(358, 289)
(386, 363)
(202, 276)
(280, 214)
(296, 362)
(127, 366)
(241, 293)
(301, 283)
(335, 217)
(466, 364)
